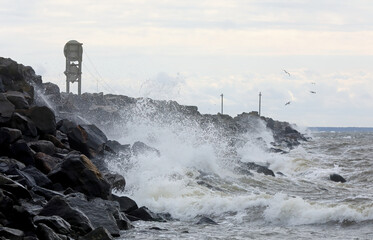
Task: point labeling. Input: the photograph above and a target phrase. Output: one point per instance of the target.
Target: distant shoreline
(341, 129)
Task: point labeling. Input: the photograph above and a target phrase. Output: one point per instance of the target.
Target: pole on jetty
(260, 102)
(73, 52)
(221, 103)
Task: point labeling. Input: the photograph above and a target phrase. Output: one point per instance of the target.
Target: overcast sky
(193, 51)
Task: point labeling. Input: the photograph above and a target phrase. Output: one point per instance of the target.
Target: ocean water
(196, 175)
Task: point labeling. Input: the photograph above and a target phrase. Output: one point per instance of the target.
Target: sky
(192, 51)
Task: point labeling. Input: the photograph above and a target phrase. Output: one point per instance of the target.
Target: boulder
(11, 233)
(116, 180)
(143, 213)
(142, 148)
(99, 233)
(57, 223)
(245, 166)
(116, 148)
(126, 204)
(18, 99)
(45, 193)
(44, 119)
(22, 152)
(43, 146)
(9, 135)
(9, 165)
(206, 220)
(337, 178)
(45, 232)
(87, 139)
(6, 108)
(100, 212)
(23, 123)
(60, 207)
(65, 125)
(34, 177)
(57, 143)
(51, 88)
(45, 163)
(79, 173)
(16, 189)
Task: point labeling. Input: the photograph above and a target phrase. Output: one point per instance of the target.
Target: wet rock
(18, 99)
(13, 187)
(123, 222)
(9, 135)
(22, 152)
(126, 204)
(57, 143)
(43, 146)
(141, 148)
(79, 173)
(24, 124)
(44, 119)
(58, 224)
(45, 232)
(45, 163)
(116, 180)
(206, 220)
(100, 212)
(60, 207)
(66, 125)
(9, 165)
(11, 233)
(143, 213)
(116, 148)
(46, 193)
(34, 177)
(256, 167)
(87, 139)
(6, 109)
(99, 233)
(337, 178)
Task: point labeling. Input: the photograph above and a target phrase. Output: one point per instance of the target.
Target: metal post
(260, 102)
(221, 103)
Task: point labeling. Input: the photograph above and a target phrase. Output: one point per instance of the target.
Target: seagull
(286, 72)
(313, 83)
(312, 92)
(287, 103)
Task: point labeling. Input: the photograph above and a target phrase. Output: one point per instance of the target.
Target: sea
(196, 175)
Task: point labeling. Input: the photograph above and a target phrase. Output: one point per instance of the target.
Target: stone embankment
(54, 183)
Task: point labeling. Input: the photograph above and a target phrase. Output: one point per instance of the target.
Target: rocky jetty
(54, 183)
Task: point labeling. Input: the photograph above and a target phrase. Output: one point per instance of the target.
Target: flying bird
(287, 103)
(286, 72)
(313, 83)
(312, 92)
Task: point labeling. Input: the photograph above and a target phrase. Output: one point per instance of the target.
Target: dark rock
(126, 204)
(44, 119)
(58, 224)
(18, 99)
(6, 108)
(46, 233)
(206, 220)
(11, 233)
(115, 147)
(87, 139)
(256, 167)
(79, 173)
(51, 89)
(143, 213)
(43, 146)
(9, 165)
(141, 148)
(22, 219)
(23, 123)
(100, 212)
(123, 222)
(46, 193)
(45, 163)
(99, 233)
(337, 178)
(116, 180)
(9, 135)
(13, 187)
(31, 176)
(21, 151)
(60, 207)
(66, 125)
(57, 143)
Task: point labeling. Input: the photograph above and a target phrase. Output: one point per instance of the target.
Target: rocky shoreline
(54, 183)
